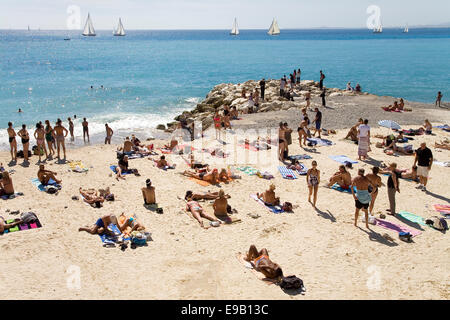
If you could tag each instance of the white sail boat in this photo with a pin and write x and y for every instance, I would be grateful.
(274, 29)
(89, 30)
(120, 31)
(406, 30)
(235, 29)
(378, 29)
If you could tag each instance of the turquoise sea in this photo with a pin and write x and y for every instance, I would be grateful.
(150, 76)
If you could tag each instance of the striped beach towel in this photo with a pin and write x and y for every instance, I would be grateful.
(412, 217)
(442, 208)
(287, 173)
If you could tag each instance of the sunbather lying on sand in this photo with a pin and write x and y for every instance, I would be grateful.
(44, 176)
(204, 196)
(442, 145)
(211, 177)
(130, 224)
(92, 197)
(410, 174)
(261, 262)
(268, 196)
(197, 211)
(4, 226)
(342, 177)
(101, 225)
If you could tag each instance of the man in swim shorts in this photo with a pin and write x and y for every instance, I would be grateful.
(12, 141)
(85, 125)
(342, 177)
(362, 196)
(60, 135)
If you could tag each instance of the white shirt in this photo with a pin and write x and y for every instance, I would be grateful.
(363, 130)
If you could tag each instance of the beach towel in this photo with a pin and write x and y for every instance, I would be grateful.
(343, 159)
(443, 208)
(337, 187)
(241, 259)
(299, 157)
(41, 187)
(200, 182)
(287, 173)
(445, 127)
(77, 167)
(248, 170)
(113, 168)
(396, 227)
(442, 164)
(25, 226)
(274, 209)
(320, 142)
(110, 240)
(412, 217)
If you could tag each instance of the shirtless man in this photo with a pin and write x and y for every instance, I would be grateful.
(221, 204)
(23, 134)
(12, 141)
(197, 211)
(92, 197)
(163, 164)
(211, 177)
(101, 225)
(261, 262)
(362, 196)
(71, 126)
(353, 132)
(342, 177)
(109, 134)
(268, 196)
(44, 176)
(149, 193)
(85, 125)
(375, 181)
(39, 135)
(127, 145)
(60, 135)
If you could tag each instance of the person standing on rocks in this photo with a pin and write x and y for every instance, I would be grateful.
(299, 74)
(322, 77)
(318, 122)
(282, 86)
(322, 95)
(262, 85)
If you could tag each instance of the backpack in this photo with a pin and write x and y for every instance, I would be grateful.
(287, 207)
(437, 223)
(28, 217)
(291, 283)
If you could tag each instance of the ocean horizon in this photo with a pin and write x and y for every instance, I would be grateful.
(150, 76)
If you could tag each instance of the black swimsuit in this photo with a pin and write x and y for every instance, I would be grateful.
(11, 139)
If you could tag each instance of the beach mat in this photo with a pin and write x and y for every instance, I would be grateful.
(396, 227)
(287, 173)
(200, 182)
(241, 259)
(343, 159)
(337, 187)
(109, 239)
(77, 166)
(41, 187)
(412, 217)
(442, 208)
(320, 142)
(113, 168)
(274, 209)
(25, 226)
(300, 157)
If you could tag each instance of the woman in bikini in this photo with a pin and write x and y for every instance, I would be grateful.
(313, 180)
(49, 137)
(39, 135)
(12, 141)
(262, 263)
(302, 132)
(23, 134)
(197, 211)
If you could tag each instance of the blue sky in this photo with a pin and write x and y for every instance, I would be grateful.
(215, 14)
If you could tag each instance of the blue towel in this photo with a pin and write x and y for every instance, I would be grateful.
(337, 187)
(109, 239)
(343, 159)
(274, 209)
(285, 172)
(41, 187)
(113, 168)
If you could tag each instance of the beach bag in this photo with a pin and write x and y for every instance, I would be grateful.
(51, 189)
(28, 217)
(405, 236)
(139, 238)
(287, 206)
(109, 197)
(437, 223)
(291, 283)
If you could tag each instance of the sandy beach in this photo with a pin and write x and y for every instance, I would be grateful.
(333, 258)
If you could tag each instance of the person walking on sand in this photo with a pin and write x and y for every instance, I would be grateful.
(376, 182)
(322, 77)
(282, 145)
(39, 135)
(362, 196)
(49, 137)
(85, 130)
(438, 99)
(313, 180)
(109, 134)
(424, 160)
(60, 135)
(23, 134)
(72, 137)
(318, 122)
(363, 140)
(262, 86)
(12, 141)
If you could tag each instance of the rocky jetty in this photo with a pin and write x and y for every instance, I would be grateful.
(231, 94)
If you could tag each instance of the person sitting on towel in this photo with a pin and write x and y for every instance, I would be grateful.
(6, 184)
(261, 262)
(101, 225)
(342, 177)
(295, 166)
(224, 176)
(221, 204)
(163, 164)
(197, 211)
(204, 196)
(44, 176)
(122, 167)
(211, 177)
(5, 226)
(92, 197)
(149, 193)
(172, 145)
(127, 145)
(353, 132)
(268, 197)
